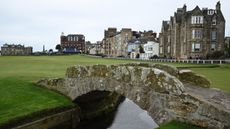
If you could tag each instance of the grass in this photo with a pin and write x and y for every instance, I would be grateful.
(33, 67)
(219, 76)
(20, 97)
(178, 125)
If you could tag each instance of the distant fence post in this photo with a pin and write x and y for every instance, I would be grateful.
(175, 60)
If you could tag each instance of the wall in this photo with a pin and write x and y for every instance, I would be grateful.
(63, 120)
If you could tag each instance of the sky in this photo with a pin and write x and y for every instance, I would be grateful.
(40, 22)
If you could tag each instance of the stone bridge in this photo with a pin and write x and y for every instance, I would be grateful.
(155, 88)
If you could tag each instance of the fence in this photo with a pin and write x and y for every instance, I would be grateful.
(198, 61)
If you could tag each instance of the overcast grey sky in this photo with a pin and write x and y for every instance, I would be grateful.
(40, 22)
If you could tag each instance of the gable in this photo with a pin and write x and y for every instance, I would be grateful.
(196, 12)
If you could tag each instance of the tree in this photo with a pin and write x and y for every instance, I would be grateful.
(51, 51)
(138, 56)
(154, 57)
(58, 47)
(141, 50)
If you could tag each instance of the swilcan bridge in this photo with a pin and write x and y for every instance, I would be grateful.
(153, 87)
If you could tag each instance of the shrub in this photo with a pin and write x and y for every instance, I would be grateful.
(215, 55)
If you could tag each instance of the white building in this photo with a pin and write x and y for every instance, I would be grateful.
(93, 51)
(151, 49)
(133, 47)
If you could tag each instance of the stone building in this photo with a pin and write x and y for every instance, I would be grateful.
(227, 42)
(192, 34)
(106, 42)
(15, 50)
(121, 42)
(115, 43)
(73, 43)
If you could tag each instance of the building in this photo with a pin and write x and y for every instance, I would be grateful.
(107, 41)
(133, 48)
(98, 47)
(94, 48)
(15, 50)
(192, 34)
(73, 43)
(147, 35)
(151, 49)
(115, 43)
(88, 46)
(121, 42)
(227, 42)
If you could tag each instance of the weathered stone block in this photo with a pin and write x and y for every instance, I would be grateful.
(187, 76)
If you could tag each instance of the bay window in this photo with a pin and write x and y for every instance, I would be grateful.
(197, 19)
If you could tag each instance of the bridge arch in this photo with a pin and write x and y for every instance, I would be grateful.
(154, 88)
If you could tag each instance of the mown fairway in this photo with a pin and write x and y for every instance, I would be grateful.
(20, 97)
(219, 76)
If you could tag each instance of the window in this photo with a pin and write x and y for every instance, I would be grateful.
(168, 49)
(211, 12)
(214, 21)
(161, 50)
(150, 48)
(195, 47)
(197, 20)
(196, 34)
(213, 46)
(161, 41)
(126, 37)
(185, 38)
(168, 39)
(213, 36)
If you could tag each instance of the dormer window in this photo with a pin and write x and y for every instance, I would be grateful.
(214, 21)
(197, 19)
(211, 12)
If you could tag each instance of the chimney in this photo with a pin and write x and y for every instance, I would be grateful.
(218, 5)
(184, 8)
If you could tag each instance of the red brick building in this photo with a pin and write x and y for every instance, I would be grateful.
(73, 43)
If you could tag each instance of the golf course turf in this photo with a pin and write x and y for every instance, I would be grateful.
(19, 96)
